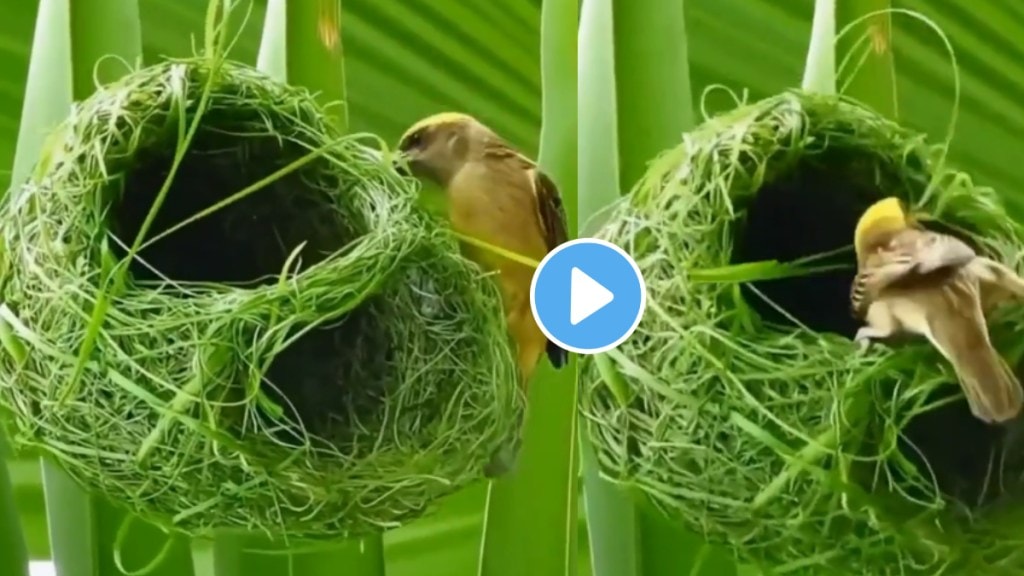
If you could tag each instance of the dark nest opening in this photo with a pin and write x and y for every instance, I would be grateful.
(248, 243)
(811, 206)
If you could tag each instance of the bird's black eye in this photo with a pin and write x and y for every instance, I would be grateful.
(413, 140)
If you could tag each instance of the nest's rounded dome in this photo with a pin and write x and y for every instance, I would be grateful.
(311, 357)
(784, 442)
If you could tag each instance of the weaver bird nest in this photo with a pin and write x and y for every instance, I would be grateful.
(311, 358)
(742, 407)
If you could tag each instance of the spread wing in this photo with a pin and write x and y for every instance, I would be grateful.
(908, 256)
(998, 283)
(931, 252)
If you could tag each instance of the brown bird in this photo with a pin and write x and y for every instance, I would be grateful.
(497, 196)
(911, 280)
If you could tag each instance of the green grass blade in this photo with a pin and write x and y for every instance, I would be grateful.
(531, 519)
(73, 538)
(219, 555)
(634, 108)
(611, 521)
(48, 89)
(598, 118)
(13, 551)
(106, 42)
(90, 537)
(444, 543)
(302, 46)
(26, 478)
(873, 73)
(820, 70)
(654, 101)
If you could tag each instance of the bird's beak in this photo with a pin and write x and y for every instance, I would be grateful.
(401, 164)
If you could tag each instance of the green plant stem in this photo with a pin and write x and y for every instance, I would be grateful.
(26, 477)
(302, 45)
(13, 552)
(654, 100)
(531, 521)
(598, 117)
(873, 81)
(219, 555)
(611, 520)
(106, 42)
(89, 536)
(48, 88)
(820, 69)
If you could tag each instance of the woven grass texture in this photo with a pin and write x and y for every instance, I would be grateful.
(294, 345)
(741, 407)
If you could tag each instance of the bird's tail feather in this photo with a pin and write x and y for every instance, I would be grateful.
(961, 333)
(558, 356)
(992, 389)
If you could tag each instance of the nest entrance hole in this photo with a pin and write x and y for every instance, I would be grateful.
(812, 207)
(248, 243)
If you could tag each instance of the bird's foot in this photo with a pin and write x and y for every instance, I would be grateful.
(863, 339)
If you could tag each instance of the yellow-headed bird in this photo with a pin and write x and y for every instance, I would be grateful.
(911, 280)
(497, 196)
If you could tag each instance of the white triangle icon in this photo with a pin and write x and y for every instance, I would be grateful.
(586, 296)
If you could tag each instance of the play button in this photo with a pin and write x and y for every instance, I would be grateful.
(588, 296)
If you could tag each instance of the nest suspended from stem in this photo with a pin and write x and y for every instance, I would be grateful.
(748, 414)
(313, 358)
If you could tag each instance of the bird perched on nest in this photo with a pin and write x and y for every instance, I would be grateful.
(911, 280)
(499, 197)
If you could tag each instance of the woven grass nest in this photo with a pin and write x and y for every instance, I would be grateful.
(313, 359)
(766, 430)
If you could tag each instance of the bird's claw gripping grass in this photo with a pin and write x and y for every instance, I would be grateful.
(863, 339)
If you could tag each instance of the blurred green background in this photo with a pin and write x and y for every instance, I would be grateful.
(408, 58)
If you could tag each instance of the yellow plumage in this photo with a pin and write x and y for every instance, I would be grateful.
(886, 214)
(436, 120)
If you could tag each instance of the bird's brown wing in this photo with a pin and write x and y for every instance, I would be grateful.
(909, 256)
(550, 215)
(932, 251)
(997, 283)
(550, 210)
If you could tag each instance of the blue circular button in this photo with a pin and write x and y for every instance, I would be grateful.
(588, 296)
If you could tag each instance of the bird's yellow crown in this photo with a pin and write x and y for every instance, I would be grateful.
(439, 118)
(885, 214)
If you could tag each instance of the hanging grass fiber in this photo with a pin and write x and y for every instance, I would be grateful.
(311, 359)
(740, 406)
